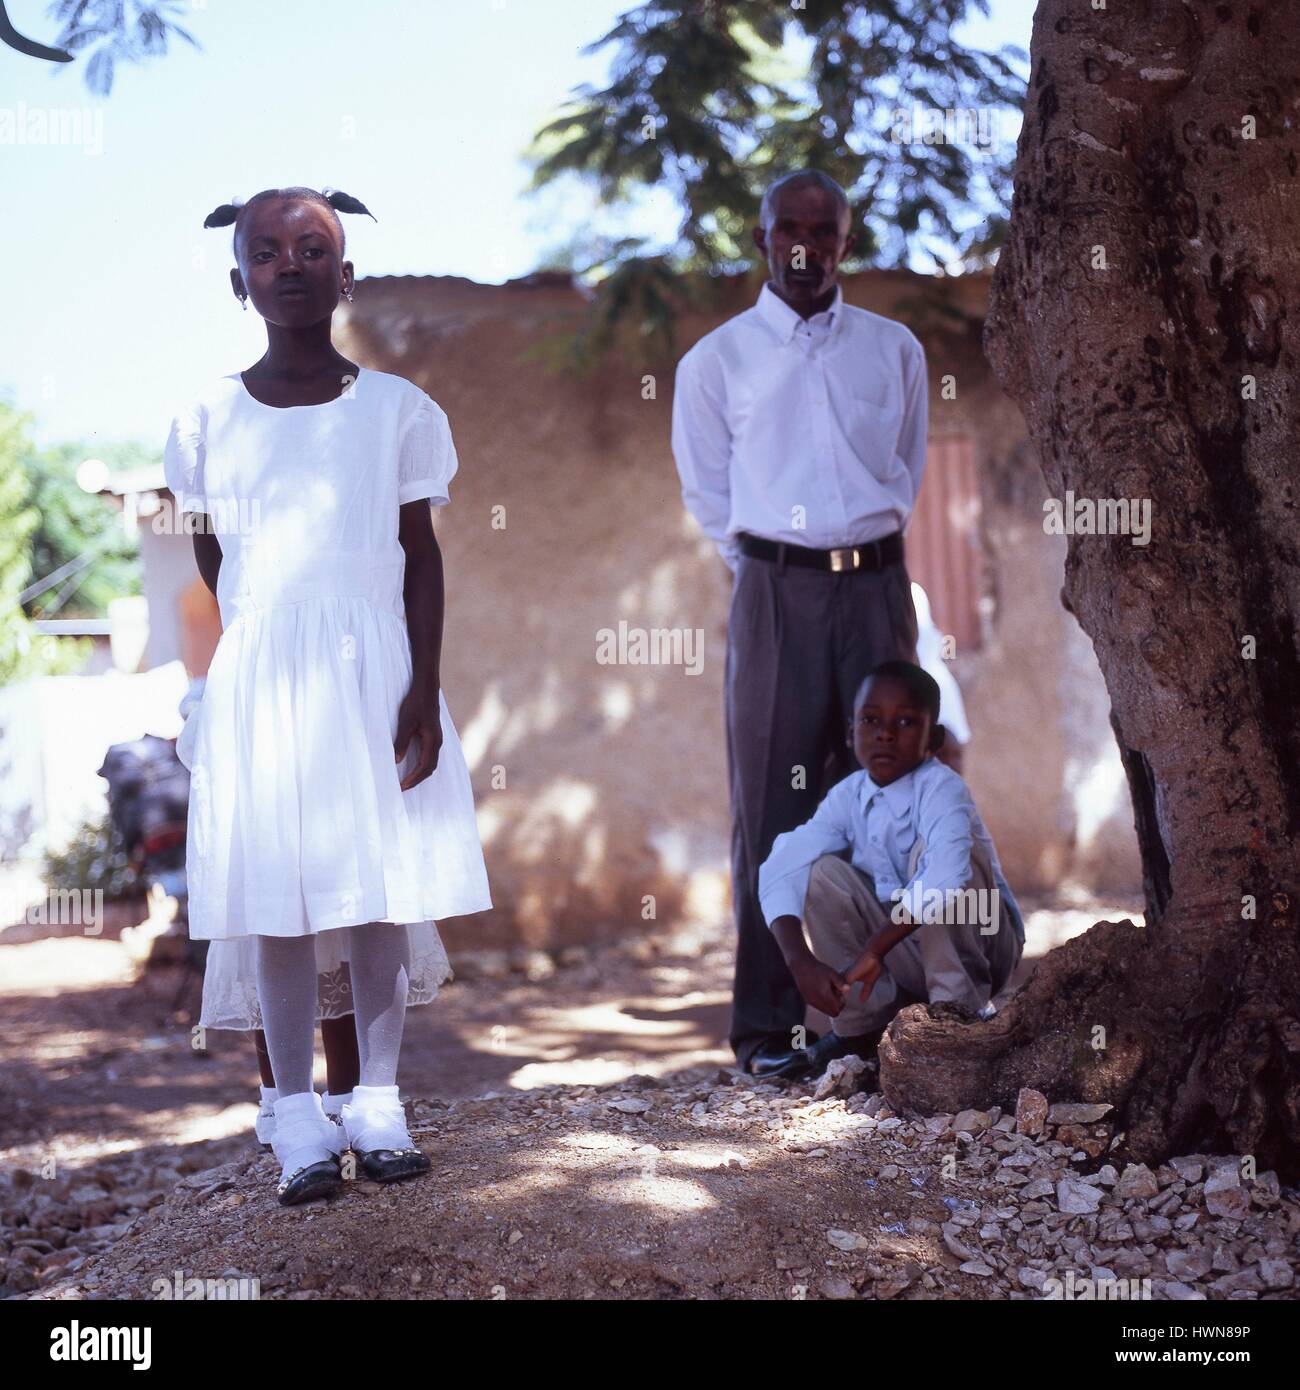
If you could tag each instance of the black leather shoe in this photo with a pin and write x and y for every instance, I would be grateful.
(826, 1050)
(315, 1180)
(774, 1057)
(392, 1165)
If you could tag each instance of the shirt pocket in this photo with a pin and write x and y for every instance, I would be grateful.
(874, 428)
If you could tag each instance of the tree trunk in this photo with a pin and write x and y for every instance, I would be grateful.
(1146, 317)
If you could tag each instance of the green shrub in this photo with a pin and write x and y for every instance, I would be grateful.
(95, 857)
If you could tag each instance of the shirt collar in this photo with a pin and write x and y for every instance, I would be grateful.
(897, 795)
(783, 320)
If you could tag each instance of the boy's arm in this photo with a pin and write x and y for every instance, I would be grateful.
(945, 823)
(783, 886)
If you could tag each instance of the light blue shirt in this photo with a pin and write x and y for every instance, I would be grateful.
(929, 811)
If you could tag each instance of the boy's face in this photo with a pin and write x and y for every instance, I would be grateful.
(891, 732)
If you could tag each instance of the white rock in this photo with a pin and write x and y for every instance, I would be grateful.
(971, 1121)
(1188, 1264)
(1276, 1274)
(977, 1267)
(1031, 1111)
(1224, 1194)
(1189, 1169)
(1137, 1181)
(1266, 1185)
(840, 1076)
(847, 1240)
(1077, 1113)
(954, 1244)
(1172, 1289)
(1076, 1197)
(633, 1105)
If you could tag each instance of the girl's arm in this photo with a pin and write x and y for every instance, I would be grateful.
(207, 555)
(422, 592)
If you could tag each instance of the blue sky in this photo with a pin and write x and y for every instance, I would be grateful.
(117, 301)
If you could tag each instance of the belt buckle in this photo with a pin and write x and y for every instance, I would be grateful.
(838, 564)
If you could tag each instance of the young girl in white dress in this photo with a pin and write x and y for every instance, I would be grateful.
(331, 818)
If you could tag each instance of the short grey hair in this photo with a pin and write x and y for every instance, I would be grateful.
(767, 208)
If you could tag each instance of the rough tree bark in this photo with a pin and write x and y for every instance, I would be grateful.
(1165, 371)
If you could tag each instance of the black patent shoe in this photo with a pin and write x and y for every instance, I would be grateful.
(375, 1125)
(392, 1165)
(775, 1059)
(321, 1179)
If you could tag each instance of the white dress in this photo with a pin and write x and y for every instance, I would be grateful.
(297, 822)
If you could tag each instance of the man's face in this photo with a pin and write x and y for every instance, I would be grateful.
(291, 263)
(891, 732)
(804, 244)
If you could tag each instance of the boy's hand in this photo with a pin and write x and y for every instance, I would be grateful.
(865, 969)
(820, 986)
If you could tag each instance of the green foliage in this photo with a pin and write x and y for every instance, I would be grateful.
(75, 523)
(23, 652)
(119, 31)
(708, 100)
(95, 857)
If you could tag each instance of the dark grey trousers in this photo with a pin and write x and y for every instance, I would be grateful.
(799, 642)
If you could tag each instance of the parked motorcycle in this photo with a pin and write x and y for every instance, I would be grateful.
(148, 802)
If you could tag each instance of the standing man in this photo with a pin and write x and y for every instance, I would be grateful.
(799, 429)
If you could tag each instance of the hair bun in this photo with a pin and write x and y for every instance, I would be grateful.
(222, 216)
(345, 202)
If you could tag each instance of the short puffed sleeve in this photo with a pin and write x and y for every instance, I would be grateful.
(183, 460)
(426, 456)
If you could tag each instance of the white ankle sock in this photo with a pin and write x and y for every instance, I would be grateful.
(333, 1104)
(375, 1119)
(303, 1133)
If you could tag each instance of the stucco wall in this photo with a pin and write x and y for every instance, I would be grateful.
(602, 788)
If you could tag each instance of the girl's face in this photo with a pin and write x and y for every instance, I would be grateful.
(291, 263)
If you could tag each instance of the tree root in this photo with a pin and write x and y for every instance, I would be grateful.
(1185, 1042)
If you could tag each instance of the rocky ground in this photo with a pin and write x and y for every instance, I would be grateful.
(704, 1184)
(586, 1143)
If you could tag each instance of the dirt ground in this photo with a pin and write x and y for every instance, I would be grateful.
(589, 1140)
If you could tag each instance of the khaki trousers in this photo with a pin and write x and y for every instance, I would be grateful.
(959, 961)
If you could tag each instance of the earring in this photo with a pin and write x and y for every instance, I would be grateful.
(243, 301)
(347, 294)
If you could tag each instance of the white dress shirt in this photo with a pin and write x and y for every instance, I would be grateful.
(930, 812)
(811, 432)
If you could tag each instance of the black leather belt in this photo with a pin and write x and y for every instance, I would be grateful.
(873, 555)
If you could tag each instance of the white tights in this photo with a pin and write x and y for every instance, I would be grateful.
(380, 956)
